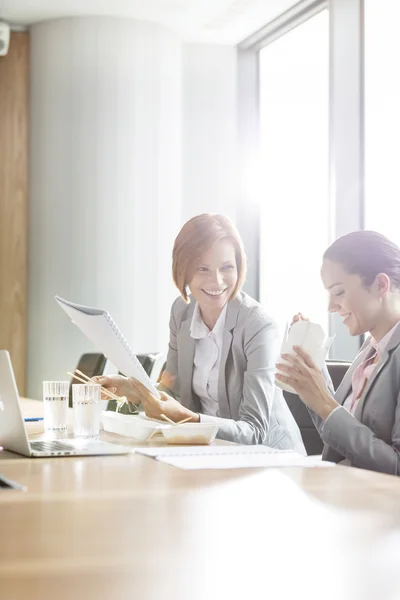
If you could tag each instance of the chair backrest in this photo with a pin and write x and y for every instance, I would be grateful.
(337, 370)
(146, 360)
(152, 364)
(311, 438)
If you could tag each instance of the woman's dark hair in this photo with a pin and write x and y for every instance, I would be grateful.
(366, 253)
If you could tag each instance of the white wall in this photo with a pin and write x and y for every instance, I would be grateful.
(132, 133)
(219, 142)
(105, 197)
(210, 175)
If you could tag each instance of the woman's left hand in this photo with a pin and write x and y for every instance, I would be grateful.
(166, 405)
(303, 375)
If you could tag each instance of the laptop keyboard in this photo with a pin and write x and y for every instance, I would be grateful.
(53, 446)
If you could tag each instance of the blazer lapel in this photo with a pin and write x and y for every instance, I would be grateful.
(345, 387)
(393, 343)
(383, 360)
(342, 393)
(230, 322)
(186, 345)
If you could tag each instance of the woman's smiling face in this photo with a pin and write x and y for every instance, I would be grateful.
(215, 276)
(358, 305)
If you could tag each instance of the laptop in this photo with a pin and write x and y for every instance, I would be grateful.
(14, 437)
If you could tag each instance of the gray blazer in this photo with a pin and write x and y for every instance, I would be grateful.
(251, 409)
(370, 439)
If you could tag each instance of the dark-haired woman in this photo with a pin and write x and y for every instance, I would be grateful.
(360, 425)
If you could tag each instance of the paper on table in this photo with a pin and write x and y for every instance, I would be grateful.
(214, 450)
(311, 338)
(242, 461)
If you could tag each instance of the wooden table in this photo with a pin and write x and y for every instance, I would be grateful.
(129, 527)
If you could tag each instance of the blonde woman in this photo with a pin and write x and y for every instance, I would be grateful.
(223, 346)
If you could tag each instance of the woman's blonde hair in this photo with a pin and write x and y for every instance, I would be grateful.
(196, 237)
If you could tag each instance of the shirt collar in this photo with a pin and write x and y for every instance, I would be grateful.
(198, 329)
(381, 346)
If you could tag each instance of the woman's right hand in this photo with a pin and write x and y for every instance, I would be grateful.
(121, 386)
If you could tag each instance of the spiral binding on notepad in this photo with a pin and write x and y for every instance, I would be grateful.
(120, 336)
(122, 339)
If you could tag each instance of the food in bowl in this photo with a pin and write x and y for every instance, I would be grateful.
(132, 426)
(190, 433)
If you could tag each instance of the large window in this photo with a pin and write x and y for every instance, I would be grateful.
(382, 117)
(294, 114)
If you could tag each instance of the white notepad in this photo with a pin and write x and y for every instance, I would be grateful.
(241, 461)
(101, 329)
(230, 457)
(234, 449)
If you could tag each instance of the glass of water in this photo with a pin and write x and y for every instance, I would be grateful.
(55, 401)
(86, 399)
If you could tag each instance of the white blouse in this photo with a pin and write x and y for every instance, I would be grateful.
(207, 359)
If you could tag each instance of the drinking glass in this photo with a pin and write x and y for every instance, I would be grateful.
(86, 399)
(55, 401)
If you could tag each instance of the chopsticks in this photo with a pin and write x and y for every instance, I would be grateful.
(173, 422)
(169, 421)
(85, 379)
(120, 400)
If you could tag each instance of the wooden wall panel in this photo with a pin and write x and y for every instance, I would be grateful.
(14, 112)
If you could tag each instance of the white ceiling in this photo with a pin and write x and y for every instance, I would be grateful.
(218, 21)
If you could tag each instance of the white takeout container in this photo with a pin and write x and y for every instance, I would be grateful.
(133, 426)
(190, 433)
(311, 338)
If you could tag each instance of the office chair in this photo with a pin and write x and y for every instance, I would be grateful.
(152, 364)
(311, 438)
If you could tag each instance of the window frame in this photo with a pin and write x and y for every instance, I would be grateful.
(346, 132)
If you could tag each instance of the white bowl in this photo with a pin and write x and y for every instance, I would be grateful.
(190, 433)
(132, 426)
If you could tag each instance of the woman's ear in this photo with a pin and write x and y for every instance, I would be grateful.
(383, 284)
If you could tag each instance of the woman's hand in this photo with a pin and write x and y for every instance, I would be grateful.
(303, 375)
(137, 393)
(298, 317)
(121, 386)
(167, 405)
